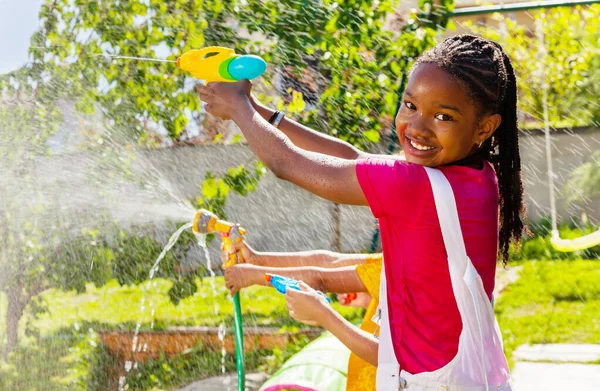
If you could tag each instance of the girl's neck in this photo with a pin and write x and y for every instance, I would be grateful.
(474, 160)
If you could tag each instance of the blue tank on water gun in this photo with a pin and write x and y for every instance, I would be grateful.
(282, 283)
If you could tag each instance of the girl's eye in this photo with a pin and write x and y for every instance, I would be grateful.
(410, 106)
(443, 117)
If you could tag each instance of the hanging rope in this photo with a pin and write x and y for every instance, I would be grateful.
(565, 245)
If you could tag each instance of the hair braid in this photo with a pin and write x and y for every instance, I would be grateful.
(482, 67)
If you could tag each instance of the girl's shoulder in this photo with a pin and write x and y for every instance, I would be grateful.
(391, 164)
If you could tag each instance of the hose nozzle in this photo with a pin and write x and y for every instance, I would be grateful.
(204, 222)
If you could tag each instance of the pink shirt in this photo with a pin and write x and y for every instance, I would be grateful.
(424, 318)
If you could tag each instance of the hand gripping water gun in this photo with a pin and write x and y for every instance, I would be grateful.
(213, 63)
(282, 284)
(206, 222)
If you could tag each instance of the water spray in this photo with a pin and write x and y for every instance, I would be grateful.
(206, 222)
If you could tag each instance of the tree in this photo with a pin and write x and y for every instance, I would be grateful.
(44, 246)
(572, 64)
(348, 56)
(358, 61)
(53, 238)
(346, 47)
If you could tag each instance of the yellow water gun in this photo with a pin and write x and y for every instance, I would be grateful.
(214, 63)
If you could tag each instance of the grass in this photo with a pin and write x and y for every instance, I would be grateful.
(120, 306)
(551, 302)
(61, 345)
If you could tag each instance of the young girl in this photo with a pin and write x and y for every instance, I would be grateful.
(458, 114)
(328, 272)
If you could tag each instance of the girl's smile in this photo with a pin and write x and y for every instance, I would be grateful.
(438, 123)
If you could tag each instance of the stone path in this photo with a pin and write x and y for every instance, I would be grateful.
(533, 376)
(557, 367)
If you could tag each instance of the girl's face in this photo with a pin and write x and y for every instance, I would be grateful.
(438, 123)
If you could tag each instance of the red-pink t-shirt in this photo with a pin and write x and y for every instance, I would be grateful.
(424, 319)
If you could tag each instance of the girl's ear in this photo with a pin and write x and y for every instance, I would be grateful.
(487, 127)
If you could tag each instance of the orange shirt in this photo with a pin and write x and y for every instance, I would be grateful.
(361, 375)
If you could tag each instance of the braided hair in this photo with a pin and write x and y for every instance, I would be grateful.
(486, 73)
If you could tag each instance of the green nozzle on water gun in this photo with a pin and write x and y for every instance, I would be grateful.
(216, 63)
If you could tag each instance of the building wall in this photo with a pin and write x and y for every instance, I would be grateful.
(280, 216)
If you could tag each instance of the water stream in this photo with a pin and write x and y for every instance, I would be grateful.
(222, 329)
(134, 345)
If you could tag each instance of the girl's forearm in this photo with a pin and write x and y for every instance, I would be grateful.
(310, 275)
(329, 177)
(319, 258)
(340, 280)
(360, 342)
(309, 139)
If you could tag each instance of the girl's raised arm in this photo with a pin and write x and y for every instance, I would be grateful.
(329, 177)
(309, 139)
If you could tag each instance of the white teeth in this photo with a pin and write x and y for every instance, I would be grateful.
(420, 147)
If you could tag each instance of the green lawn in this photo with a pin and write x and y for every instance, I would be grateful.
(552, 302)
(119, 306)
(63, 344)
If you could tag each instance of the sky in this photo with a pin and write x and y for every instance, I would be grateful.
(18, 20)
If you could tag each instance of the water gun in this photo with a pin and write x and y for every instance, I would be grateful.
(213, 63)
(206, 222)
(282, 284)
(216, 63)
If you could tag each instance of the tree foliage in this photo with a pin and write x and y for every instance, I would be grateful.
(570, 64)
(346, 48)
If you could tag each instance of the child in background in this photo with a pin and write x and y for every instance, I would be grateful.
(459, 115)
(325, 271)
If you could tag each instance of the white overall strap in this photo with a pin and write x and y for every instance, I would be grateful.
(447, 213)
(388, 369)
(458, 261)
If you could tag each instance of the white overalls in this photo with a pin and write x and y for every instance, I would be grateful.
(480, 364)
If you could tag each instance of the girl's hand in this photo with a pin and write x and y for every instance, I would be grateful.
(306, 305)
(224, 99)
(247, 254)
(242, 276)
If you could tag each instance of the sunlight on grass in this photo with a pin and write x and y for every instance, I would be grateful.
(551, 302)
(121, 305)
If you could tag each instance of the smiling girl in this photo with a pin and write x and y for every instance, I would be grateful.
(458, 115)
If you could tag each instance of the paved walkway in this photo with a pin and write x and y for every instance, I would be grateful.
(557, 367)
(534, 376)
